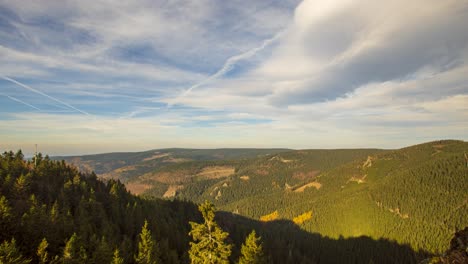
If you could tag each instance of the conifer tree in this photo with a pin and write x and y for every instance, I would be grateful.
(10, 254)
(5, 209)
(209, 239)
(117, 259)
(54, 213)
(147, 249)
(42, 251)
(252, 250)
(73, 252)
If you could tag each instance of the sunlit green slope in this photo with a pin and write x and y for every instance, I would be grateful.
(416, 195)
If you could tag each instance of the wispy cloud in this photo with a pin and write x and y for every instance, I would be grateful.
(230, 62)
(21, 101)
(338, 73)
(45, 95)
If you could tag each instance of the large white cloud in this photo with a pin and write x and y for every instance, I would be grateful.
(335, 48)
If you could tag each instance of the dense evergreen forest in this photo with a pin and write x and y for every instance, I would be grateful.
(416, 196)
(80, 218)
(406, 208)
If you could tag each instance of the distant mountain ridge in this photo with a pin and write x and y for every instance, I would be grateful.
(106, 162)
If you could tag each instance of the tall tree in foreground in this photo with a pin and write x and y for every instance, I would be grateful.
(147, 249)
(252, 250)
(209, 239)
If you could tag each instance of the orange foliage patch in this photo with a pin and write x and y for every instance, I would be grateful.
(270, 217)
(300, 219)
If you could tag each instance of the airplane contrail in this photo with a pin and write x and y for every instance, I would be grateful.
(21, 101)
(232, 60)
(43, 94)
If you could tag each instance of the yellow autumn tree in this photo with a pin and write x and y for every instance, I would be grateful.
(300, 219)
(270, 217)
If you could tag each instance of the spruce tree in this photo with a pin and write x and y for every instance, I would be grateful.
(209, 239)
(252, 250)
(117, 259)
(73, 251)
(147, 250)
(5, 209)
(42, 251)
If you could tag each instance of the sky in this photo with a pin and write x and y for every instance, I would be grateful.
(94, 76)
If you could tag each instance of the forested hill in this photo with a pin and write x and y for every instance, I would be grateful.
(415, 195)
(317, 206)
(52, 213)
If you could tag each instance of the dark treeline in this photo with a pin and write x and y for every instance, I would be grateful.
(55, 201)
(285, 242)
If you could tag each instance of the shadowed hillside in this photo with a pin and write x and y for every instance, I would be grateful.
(286, 242)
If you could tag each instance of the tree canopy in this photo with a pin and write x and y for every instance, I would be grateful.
(209, 245)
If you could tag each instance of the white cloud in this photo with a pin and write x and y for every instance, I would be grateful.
(327, 54)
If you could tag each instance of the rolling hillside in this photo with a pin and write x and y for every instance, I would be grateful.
(52, 213)
(415, 196)
(282, 171)
(125, 165)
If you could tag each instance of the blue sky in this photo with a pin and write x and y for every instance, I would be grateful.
(97, 76)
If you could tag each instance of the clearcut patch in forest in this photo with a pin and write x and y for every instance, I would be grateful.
(316, 185)
(244, 178)
(137, 187)
(216, 172)
(157, 155)
(172, 190)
